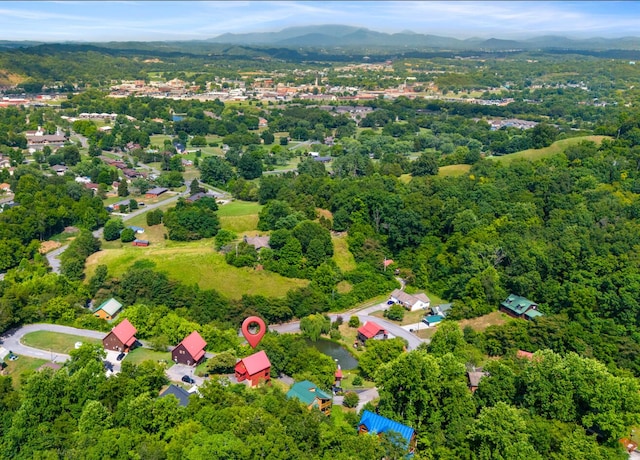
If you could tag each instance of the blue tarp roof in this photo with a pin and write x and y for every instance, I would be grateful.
(378, 424)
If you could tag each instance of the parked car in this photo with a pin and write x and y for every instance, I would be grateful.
(390, 302)
(108, 365)
(121, 356)
(188, 379)
(12, 356)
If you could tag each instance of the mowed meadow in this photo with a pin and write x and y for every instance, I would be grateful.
(197, 262)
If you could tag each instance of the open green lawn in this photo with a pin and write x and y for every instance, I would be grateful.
(341, 254)
(16, 369)
(453, 170)
(140, 354)
(54, 341)
(199, 263)
(553, 149)
(239, 216)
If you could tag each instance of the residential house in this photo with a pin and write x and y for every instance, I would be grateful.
(91, 186)
(521, 354)
(311, 396)
(519, 307)
(108, 309)
(376, 424)
(195, 197)
(136, 229)
(442, 310)
(474, 378)
(141, 243)
(5, 187)
(322, 159)
(255, 369)
(410, 302)
(432, 320)
(155, 192)
(121, 338)
(190, 351)
(257, 242)
(180, 393)
(371, 330)
(59, 169)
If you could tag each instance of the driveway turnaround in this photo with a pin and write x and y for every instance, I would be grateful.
(12, 341)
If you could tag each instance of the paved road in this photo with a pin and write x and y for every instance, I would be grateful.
(12, 340)
(53, 257)
(395, 330)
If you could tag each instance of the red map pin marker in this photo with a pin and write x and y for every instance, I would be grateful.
(253, 339)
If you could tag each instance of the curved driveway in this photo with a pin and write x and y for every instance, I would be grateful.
(395, 330)
(12, 340)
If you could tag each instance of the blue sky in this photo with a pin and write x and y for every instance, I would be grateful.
(186, 20)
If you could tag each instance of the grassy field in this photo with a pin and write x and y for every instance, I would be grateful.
(341, 254)
(480, 323)
(239, 216)
(54, 341)
(454, 170)
(16, 369)
(140, 354)
(553, 149)
(198, 263)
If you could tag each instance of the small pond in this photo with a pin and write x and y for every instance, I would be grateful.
(336, 351)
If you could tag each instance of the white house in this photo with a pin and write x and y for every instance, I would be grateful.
(409, 301)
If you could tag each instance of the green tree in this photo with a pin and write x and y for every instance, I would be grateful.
(123, 188)
(425, 165)
(127, 235)
(313, 326)
(112, 229)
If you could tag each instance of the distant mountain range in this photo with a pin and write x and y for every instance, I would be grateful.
(341, 36)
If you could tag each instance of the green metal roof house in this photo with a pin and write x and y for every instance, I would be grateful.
(519, 307)
(311, 396)
(108, 309)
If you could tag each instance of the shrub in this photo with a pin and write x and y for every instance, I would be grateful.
(335, 334)
(357, 381)
(354, 321)
(395, 312)
(351, 399)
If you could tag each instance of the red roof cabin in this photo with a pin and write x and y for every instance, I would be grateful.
(255, 368)
(190, 351)
(371, 330)
(142, 243)
(121, 338)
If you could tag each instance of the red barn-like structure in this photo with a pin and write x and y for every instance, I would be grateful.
(255, 368)
(121, 338)
(190, 351)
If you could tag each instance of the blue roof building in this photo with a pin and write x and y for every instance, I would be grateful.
(377, 424)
